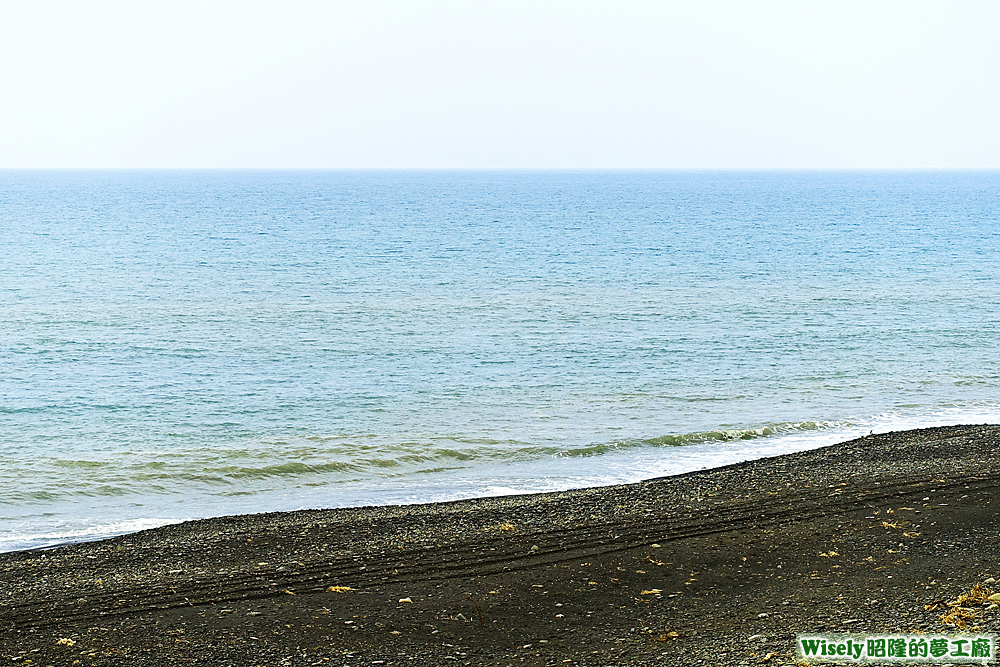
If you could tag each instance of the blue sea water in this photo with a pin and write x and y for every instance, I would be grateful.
(182, 344)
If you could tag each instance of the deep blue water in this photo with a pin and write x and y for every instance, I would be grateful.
(185, 344)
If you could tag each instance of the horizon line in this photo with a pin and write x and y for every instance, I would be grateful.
(522, 169)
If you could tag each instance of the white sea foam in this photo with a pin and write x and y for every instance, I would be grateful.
(13, 539)
(548, 474)
(203, 343)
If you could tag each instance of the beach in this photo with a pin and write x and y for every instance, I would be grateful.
(463, 333)
(719, 567)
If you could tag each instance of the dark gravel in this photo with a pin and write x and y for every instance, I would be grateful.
(717, 567)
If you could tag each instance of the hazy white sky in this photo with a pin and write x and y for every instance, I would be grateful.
(478, 84)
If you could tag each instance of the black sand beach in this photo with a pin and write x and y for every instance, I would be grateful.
(717, 567)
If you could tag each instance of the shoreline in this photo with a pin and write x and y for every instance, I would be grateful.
(750, 449)
(38, 537)
(718, 566)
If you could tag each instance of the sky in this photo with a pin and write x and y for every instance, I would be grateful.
(706, 84)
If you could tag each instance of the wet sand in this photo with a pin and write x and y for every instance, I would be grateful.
(715, 567)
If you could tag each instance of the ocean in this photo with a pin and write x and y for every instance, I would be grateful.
(184, 344)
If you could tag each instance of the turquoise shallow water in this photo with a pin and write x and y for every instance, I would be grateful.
(186, 344)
